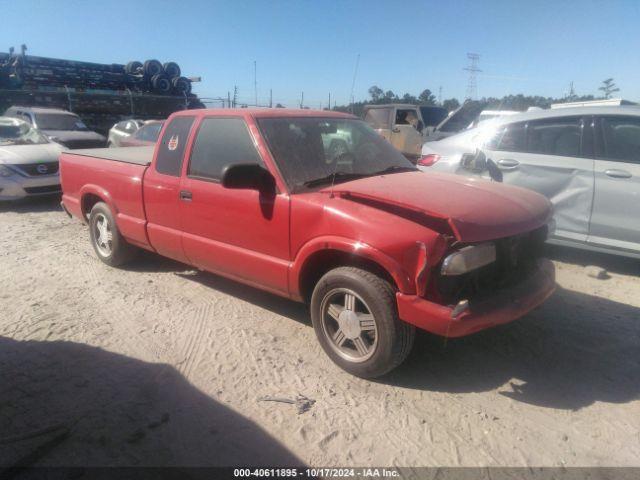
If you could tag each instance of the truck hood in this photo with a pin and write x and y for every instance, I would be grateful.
(474, 210)
(25, 154)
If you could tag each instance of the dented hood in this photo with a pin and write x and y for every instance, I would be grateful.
(475, 209)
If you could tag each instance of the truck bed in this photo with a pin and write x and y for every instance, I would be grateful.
(136, 155)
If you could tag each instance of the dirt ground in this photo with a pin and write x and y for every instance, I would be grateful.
(158, 364)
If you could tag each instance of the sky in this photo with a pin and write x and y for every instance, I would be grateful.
(530, 47)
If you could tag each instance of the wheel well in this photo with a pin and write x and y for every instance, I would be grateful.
(325, 260)
(88, 201)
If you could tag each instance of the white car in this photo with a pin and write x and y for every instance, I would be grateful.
(122, 130)
(28, 161)
(586, 160)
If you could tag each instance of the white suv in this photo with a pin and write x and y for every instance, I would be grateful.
(586, 160)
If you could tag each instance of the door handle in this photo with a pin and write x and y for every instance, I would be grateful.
(508, 163)
(185, 195)
(615, 173)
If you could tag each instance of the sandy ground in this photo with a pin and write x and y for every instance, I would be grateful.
(158, 364)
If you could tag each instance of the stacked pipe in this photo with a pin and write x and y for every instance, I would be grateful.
(102, 94)
(31, 72)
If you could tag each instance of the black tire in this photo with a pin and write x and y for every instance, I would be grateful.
(394, 337)
(133, 68)
(161, 83)
(120, 252)
(181, 85)
(152, 67)
(171, 69)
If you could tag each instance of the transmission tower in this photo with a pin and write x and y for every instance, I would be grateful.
(472, 85)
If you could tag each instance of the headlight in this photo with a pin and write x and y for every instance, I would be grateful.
(5, 172)
(469, 258)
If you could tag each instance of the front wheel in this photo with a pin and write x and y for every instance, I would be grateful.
(356, 321)
(106, 239)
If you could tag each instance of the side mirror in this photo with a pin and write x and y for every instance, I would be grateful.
(420, 126)
(250, 176)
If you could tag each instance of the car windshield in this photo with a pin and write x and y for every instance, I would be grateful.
(20, 134)
(59, 121)
(312, 152)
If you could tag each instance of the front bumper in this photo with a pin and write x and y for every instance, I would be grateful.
(17, 186)
(503, 307)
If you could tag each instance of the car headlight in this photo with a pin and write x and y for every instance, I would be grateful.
(5, 171)
(469, 258)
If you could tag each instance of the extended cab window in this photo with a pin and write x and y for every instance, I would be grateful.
(221, 142)
(555, 136)
(619, 139)
(171, 151)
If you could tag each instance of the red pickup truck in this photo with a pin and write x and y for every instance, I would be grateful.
(317, 207)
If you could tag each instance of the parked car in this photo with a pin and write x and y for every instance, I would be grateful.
(122, 130)
(586, 160)
(375, 246)
(407, 127)
(63, 127)
(147, 134)
(28, 161)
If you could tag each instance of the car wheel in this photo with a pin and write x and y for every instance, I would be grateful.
(171, 69)
(355, 318)
(152, 67)
(107, 242)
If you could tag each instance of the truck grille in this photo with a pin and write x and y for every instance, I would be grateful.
(38, 169)
(516, 258)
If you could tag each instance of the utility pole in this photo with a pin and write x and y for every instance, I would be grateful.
(235, 96)
(271, 98)
(472, 84)
(228, 100)
(302, 100)
(329, 100)
(255, 80)
(440, 95)
(353, 82)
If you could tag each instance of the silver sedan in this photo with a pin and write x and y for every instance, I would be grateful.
(28, 161)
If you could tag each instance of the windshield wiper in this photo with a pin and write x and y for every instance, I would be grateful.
(396, 168)
(339, 177)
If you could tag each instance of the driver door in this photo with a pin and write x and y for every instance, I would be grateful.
(241, 234)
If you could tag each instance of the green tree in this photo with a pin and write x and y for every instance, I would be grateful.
(376, 93)
(427, 98)
(608, 87)
(451, 104)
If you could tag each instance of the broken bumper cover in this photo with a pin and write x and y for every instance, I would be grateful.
(503, 307)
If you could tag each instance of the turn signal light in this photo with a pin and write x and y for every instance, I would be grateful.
(428, 160)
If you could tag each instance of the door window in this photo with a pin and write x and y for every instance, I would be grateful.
(221, 142)
(619, 139)
(174, 141)
(555, 136)
(509, 138)
(378, 117)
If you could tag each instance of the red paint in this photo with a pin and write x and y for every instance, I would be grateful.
(404, 222)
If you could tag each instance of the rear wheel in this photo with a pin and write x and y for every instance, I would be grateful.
(107, 242)
(356, 321)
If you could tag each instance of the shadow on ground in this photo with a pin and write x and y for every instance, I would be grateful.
(574, 350)
(611, 263)
(46, 203)
(64, 403)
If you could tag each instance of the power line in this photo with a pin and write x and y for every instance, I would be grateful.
(472, 84)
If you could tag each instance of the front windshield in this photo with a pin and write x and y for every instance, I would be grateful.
(20, 134)
(317, 151)
(59, 121)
